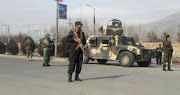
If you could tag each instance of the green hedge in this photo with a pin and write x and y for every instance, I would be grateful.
(64, 48)
(2, 48)
(12, 47)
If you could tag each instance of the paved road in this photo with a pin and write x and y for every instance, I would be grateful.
(18, 77)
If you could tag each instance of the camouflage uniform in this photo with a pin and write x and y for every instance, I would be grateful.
(168, 51)
(46, 51)
(28, 46)
(76, 55)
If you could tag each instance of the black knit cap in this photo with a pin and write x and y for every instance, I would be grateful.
(78, 23)
(167, 36)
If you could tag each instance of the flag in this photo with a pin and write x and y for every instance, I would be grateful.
(59, 0)
(62, 11)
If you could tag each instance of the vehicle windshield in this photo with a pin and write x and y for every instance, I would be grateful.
(126, 41)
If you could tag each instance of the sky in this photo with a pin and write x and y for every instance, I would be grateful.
(41, 14)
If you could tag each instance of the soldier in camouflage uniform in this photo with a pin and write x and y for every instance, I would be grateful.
(28, 46)
(46, 50)
(168, 51)
(76, 53)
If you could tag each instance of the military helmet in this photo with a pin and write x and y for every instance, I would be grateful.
(167, 36)
(78, 23)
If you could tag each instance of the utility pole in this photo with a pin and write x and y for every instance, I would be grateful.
(94, 17)
(57, 31)
(81, 10)
(1, 31)
(8, 29)
(28, 29)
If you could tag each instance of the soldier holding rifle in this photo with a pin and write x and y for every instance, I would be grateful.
(77, 38)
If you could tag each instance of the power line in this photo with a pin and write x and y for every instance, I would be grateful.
(28, 26)
(8, 29)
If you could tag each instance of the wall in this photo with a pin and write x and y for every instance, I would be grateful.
(176, 47)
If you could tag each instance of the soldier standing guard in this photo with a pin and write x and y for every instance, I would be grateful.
(28, 46)
(46, 50)
(76, 51)
(168, 51)
(159, 55)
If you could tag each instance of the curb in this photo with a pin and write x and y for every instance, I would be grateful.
(176, 63)
(34, 57)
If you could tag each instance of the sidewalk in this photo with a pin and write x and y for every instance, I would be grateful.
(34, 57)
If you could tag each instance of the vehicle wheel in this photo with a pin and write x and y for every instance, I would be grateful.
(126, 59)
(102, 61)
(85, 57)
(145, 63)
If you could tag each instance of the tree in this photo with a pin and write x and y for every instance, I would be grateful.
(152, 37)
(2, 48)
(12, 47)
(163, 36)
(64, 48)
(178, 37)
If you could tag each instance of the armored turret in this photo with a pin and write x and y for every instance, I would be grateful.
(112, 27)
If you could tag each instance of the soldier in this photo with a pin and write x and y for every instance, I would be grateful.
(168, 51)
(46, 50)
(159, 55)
(28, 46)
(76, 53)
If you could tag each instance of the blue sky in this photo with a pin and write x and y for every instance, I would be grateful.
(42, 13)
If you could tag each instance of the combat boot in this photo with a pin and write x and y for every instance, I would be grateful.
(169, 67)
(48, 65)
(164, 68)
(45, 65)
(170, 70)
(77, 78)
(70, 78)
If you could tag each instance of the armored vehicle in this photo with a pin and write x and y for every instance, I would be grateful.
(113, 45)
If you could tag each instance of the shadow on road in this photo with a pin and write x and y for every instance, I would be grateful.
(106, 77)
(117, 64)
(59, 65)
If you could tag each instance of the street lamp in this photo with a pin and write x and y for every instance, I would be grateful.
(94, 17)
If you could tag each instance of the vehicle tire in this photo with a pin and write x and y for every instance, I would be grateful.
(145, 63)
(85, 57)
(102, 61)
(126, 59)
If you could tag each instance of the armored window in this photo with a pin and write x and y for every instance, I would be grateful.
(93, 42)
(128, 41)
(105, 41)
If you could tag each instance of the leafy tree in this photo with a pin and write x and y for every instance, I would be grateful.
(12, 47)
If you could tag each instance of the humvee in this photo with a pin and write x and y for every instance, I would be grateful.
(112, 45)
